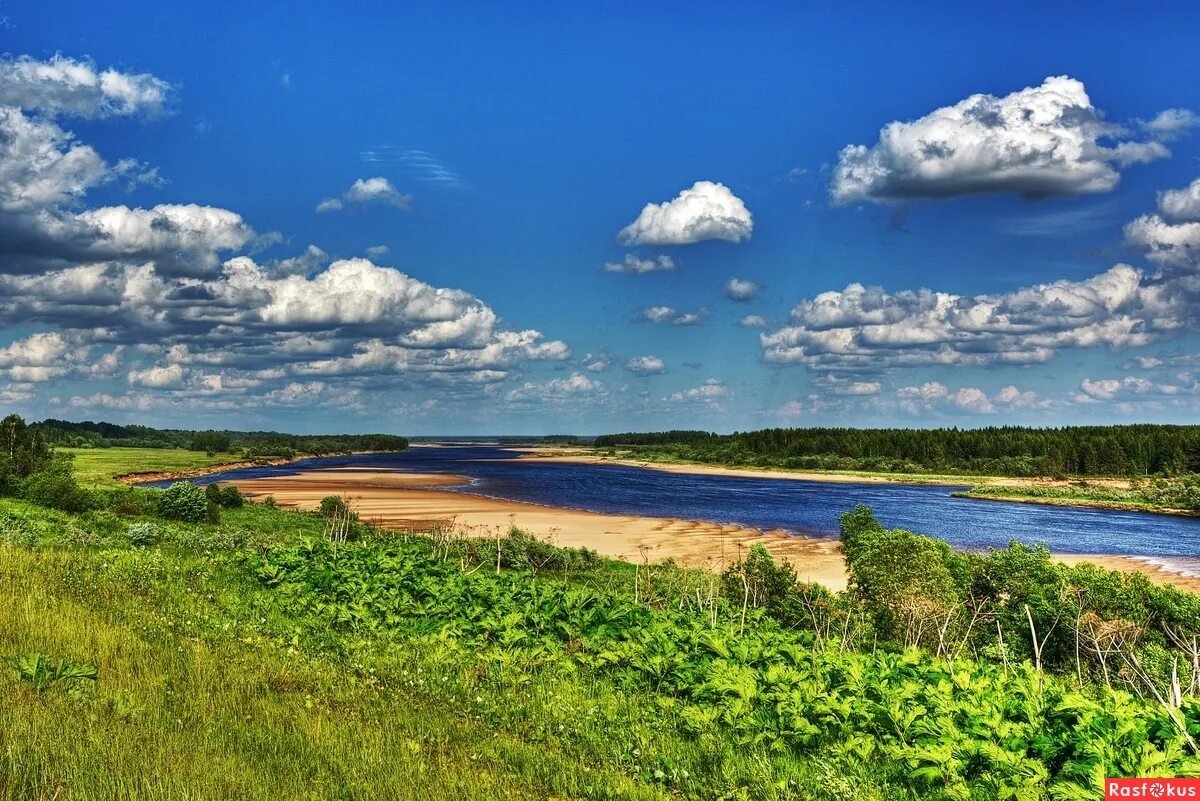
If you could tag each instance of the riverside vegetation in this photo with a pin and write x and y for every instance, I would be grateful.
(185, 644)
(1159, 463)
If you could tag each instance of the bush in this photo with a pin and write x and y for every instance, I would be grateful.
(143, 535)
(335, 506)
(55, 487)
(133, 502)
(232, 498)
(185, 501)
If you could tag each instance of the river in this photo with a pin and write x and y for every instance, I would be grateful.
(802, 507)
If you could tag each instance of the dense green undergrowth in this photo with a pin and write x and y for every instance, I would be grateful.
(184, 644)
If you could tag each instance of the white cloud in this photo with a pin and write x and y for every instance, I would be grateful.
(868, 329)
(558, 389)
(741, 290)
(973, 399)
(1102, 390)
(377, 191)
(645, 365)
(1171, 237)
(1181, 205)
(42, 165)
(705, 211)
(157, 377)
(708, 393)
(183, 239)
(935, 396)
(754, 321)
(1172, 122)
(1039, 141)
(1143, 363)
(377, 251)
(636, 266)
(64, 85)
(668, 314)
(857, 388)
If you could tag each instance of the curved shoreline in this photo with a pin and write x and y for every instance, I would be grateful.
(421, 502)
(149, 476)
(697, 468)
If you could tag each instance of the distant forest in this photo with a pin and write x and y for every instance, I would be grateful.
(250, 443)
(1133, 450)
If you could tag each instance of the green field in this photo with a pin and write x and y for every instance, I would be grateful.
(99, 466)
(260, 653)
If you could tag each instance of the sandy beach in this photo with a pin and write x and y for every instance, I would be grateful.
(419, 502)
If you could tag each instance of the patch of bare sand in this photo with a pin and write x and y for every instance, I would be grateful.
(404, 501)
(413, 502)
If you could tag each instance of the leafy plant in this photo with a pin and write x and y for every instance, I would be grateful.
(142, 534)
(184, 501)
(42, 672)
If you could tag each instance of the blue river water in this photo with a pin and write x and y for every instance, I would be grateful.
(801, 507)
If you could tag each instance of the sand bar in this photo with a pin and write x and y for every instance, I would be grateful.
(419, 502)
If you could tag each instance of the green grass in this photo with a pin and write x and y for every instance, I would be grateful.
(100, 466)
(212, 685)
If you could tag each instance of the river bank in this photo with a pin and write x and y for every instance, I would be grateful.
(421, 502)
(1015, 489)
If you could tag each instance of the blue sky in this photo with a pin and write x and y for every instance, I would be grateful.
(476, 168)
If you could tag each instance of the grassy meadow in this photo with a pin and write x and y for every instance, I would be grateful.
(188, 645)
(100, 467)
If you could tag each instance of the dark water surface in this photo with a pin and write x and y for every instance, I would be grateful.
(803, 507)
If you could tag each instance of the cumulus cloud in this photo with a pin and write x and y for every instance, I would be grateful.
(1181, 205)
(558, 389)
(936, 396)
(1102, 390)
(157, 377)
(741, 290)
(668, 314)
(868, 329)
(1039, 141)
(637, 266)
(645, 365)
(754, 321)
(708, 392)
(68, 86)
(705, 211)
(369, 191)
(1170, 237)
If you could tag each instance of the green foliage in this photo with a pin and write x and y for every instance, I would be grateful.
(54, 486)
(520, 550)
(1134, 450)
(142, 534)
(334, 506)
(973, 730)
(253, 444)
(42, 673)
(185, 501)
(23, 452)
(232, 498)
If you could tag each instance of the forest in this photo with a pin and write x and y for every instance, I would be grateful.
(251, 444)
(1127, 450)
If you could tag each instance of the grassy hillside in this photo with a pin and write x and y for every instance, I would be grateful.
(257, 653)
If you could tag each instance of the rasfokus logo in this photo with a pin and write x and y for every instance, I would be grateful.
(1151, 788)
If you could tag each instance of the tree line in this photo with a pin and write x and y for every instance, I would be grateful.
(1128, 450)
(251, 444)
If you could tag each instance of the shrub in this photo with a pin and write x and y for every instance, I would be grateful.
(335, 506)
(183, 501)
(55, 487)
(142, 535)
(132, 502)
(232, 498)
